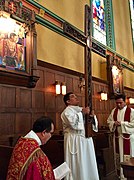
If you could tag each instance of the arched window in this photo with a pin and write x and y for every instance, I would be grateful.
(132, 16)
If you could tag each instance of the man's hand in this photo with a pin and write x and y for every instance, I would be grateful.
(117, 123)
(85, 110)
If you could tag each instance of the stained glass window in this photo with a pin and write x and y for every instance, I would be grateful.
(99, 24)
(132, 15)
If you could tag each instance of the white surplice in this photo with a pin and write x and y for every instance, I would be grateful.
(127, 128)
(79, 151)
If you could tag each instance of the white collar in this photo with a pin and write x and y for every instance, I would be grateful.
(123, 109)
(33, 135)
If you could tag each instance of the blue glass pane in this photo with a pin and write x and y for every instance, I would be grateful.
(98, 13)
(99, 26)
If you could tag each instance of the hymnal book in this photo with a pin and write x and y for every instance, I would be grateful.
(61, 171)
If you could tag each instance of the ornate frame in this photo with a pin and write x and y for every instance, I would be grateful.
(114, 76)
(26, 16)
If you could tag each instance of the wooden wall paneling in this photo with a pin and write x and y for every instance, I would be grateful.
(23, 123)
(104, 119)
(7, 123)
(7, 127)
(111, 104)
(25, 98)
(41, 81)
(100, 119)
(60, 77)
(8, 96)
(59, 103)
(36, 115)
(69, 83)
(58, 122)
(20, 106)
(17, 97)
(38, 99)
(49, 80)
(50, 104)
(76, 88)
(52, 115)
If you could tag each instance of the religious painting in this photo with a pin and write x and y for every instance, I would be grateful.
(115, 76)
(18, 38)
(12, 44)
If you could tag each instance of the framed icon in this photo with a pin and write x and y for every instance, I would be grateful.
(18, 52)
(114, 76)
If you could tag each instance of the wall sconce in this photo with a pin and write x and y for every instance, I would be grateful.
(131, 100)
(81, 84)
(63, 88)
(57, 87)
(60, 87)
(103, 96)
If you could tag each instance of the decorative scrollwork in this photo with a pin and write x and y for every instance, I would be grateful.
(74, 33)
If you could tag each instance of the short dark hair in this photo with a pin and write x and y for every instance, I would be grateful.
(120, 96)
(42, 123)
(66, 97)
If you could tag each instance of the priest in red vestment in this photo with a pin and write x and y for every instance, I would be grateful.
(121, 122)
(28, 161)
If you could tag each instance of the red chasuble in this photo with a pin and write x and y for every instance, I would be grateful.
(28, 162)
(126, 140)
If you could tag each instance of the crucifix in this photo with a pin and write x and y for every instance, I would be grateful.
(88, 72)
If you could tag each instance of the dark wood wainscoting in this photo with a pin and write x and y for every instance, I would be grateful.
(21, 106)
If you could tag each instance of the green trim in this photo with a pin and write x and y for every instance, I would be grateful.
(53, 27)
(127, 67)
(58, 30)
(46, 10)
(109, 24)
(44, 22)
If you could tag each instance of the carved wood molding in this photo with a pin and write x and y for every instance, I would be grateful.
(74, 33)
(98, 49)
(18, 79)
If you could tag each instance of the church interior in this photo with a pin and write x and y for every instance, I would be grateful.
(51, 47)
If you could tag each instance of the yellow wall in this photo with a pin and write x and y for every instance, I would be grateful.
(70, 10)
(123, 36)
(99, 66)
(55, 49)
(128, 78)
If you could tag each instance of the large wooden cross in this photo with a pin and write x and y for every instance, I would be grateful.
(88, 71)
